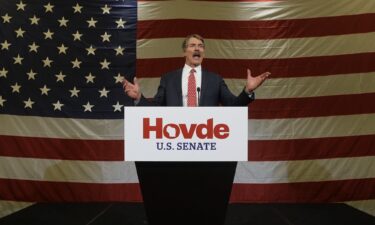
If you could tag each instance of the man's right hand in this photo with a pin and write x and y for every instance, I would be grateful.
(132, 90)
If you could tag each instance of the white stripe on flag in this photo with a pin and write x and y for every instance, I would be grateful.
(259, 129)
(241, 10)
(263, 49)
(247, 172)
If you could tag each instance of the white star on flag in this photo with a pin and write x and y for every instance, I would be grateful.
(90, 50)
(92, 22)
(3, 72)
(34, 20)
(49, 7)
(88, 107)
(119, 78)
(33, 47)
(31, 75)
(47, 62)
(74, 92)
(21, 6)
(48, 34)
(57, 105)
(5, 45)
(62, 49)
(120, 23)
(90, 78)
(28, 103)
(117, 107)
(2, 100)
(16, 88)
(60, 77)
(19, 32)
(77, 36)
(63, 22)
(77, 8)
(104, 92)
(18, 59)
(105, 37)
(105, 64)
(119, 50)
(106, 9)
(45, 90)
(76, 63)
(6, 18)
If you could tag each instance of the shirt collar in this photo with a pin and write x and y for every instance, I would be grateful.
(188, 68)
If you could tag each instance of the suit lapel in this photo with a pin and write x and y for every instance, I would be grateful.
(178, 86)
(204, 86)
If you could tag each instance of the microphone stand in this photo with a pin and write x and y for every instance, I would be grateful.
(199, 95)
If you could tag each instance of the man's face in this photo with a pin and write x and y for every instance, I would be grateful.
(194, 52)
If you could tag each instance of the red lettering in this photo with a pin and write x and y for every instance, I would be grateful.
(208, 128)
(171, 131)
(147, 128)
(188, 133)
(221, 131)
(168, 128)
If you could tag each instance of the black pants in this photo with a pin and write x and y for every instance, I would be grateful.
(179, 193)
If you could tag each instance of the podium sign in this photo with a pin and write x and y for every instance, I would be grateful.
(186, 133)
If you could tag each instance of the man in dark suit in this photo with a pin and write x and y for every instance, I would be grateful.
(189, 193)
(210, 88)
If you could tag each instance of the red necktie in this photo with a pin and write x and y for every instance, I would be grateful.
(192, 90)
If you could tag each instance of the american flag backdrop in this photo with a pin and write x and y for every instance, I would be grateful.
(311, 129)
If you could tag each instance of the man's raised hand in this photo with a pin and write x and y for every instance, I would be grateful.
(254, 82)
(132, 90)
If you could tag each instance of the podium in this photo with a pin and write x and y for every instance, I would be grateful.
(186, 160)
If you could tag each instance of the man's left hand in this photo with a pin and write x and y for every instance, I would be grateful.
(254, 82)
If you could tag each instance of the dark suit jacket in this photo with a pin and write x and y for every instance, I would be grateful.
(214, 92)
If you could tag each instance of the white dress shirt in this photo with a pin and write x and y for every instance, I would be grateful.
(185, 76)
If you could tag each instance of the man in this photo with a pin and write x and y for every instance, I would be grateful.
(209, 89)
(189, 193)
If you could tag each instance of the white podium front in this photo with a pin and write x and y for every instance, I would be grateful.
(186, 159)
(186, 134)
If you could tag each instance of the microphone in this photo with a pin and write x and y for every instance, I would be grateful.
(199, 94)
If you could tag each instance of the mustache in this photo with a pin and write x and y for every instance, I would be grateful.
(197, 53)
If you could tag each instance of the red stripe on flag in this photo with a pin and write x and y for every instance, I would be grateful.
(314, 148)
(266, 29)
(324, 191)
(45, 191)
(312, 106)
(259, 150)
(290, 67)
(68, 149)
(314, 192)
